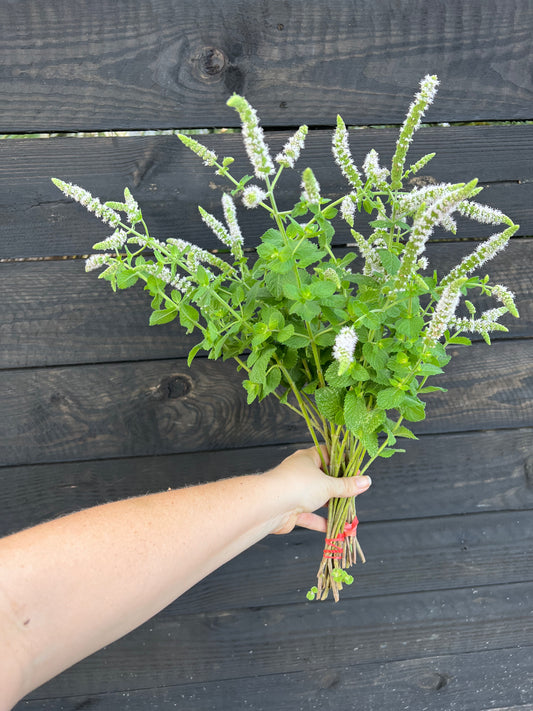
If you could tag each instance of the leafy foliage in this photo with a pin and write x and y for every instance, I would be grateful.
(350, 352)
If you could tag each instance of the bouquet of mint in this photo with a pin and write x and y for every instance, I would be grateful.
(348, 351)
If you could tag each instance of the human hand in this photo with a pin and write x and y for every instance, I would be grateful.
(306, 488)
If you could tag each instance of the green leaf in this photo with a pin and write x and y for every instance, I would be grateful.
(410, 327)
(390, 261)
(189, 312)
(158, 318)
(253, 390)
(126, 278)
(354, 411)
(369, 440)
(285, 333)
(432, 389)
(299, 340)
(405, 432)
(308, 253)
(202, 276)
(328, 401)
(459, 341)
(381, 225)
(375, 356)
(323, 289)
(274, 283)
(413, 409)
(390, 398)
(258, 372)
(325, 338)
(273, 379)
(389, 451)
(333, 378)
(291, 291)
(193, 352)
(429, 369)
(307, 310)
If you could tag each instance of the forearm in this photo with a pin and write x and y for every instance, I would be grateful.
(73, 585)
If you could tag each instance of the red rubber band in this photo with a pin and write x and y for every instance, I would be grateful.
(331, 550)
(350, 529)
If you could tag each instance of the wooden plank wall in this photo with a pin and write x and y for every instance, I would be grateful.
(98, 406)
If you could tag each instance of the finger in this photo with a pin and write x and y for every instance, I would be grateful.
(312, 521)
(317, 460)
(344, 487)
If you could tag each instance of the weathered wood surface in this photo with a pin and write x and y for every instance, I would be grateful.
(98, 406)
(169, 182)
(173, 649)
(476, 681)
(162, 407)
(99, 325)
(169, 63)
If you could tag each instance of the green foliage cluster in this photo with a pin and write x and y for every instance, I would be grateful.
(279, 311)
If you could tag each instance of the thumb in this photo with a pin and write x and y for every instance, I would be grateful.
(344, 487)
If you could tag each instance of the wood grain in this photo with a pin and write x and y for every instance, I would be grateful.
(163, 407)
(169, 182)
(203, 647)
(477, 681)
(120, 64)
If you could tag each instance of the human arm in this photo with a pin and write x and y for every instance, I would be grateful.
(73, 585)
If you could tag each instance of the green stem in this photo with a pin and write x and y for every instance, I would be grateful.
(304, 411)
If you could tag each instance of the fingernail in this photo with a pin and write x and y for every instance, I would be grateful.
(363, 482)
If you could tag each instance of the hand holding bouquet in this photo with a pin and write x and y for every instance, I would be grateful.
(350, 352)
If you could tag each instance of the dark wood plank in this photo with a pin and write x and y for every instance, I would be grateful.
(439, 475)
(496, 680)
(173, 63)
(171, 650)
(164, 407)
(169, 182)
(46, 304)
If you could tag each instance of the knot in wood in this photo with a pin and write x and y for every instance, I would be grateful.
(175, 386)
(211, 63)
(434, 681)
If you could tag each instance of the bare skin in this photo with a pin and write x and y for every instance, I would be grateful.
(71, 586)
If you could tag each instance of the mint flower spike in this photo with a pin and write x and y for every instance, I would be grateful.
(84, 197)
(292, 149)
(348, 210)
(311, 188)
(133, 210)
(231, 241)
(344, 347)
(423, 99)
(230, 213)
(412, 201)
(254, 141)
(444, 312)
(483, 213)
(374, 173)
(97, 260)
(373, 264)
(503, 294)
(209, 157)
(343, 156)
(486, 251)
(487, 322)
(423, 225)
(115, 241)
(196, 255)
